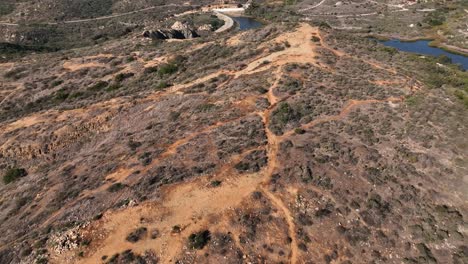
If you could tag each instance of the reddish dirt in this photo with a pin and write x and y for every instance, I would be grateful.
(190, 204)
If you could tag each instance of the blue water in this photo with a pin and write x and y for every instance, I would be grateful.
(246, 23)
(422, 47)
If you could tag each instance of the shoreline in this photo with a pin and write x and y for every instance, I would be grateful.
(433, 42)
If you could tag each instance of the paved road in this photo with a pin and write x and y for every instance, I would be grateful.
(312, 7)
(91, 19)
(228, 22)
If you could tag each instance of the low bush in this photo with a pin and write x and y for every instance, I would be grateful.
(315, 39)
(14, 174)
(6, 8)
(136, 235)
(61, 95)
(98, 86)
(206, 107)
(162, 85)
(215, 183)
(56, 83)
(176, 229)
(149, 70)
(122, 76)
(167, 69)
(199, 240)
(463, 96)
(299, 131)
(116, 187)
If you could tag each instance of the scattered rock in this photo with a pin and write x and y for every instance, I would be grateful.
(178, 30)
(206, 27)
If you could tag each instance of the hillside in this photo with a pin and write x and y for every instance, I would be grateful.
(296, 142)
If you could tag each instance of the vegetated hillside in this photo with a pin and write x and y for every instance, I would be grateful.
(57, 10)
(69, 24)
(439, 20)
(290, 143)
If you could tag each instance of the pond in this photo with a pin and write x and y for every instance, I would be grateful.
(246, 23)
(422, 47)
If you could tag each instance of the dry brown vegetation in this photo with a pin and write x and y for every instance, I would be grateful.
(287, 148)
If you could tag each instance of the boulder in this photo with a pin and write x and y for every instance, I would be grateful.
(206, 27)
(178, 30)
(188, 33)
(166, 34)
(180, 26)
(185, 29)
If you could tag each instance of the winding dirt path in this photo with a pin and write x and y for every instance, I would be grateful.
(343, 113)
(190, 204)
(289, 219)
(272, 153)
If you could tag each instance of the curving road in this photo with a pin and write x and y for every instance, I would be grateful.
(91, 19)
(312, 7)
(228, 22)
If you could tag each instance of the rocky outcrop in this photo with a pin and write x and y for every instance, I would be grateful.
(178, 31)
(206, 27)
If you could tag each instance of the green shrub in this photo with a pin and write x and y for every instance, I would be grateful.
(215, 183)
(284, 113)
(205, 107)
(122, 76)
(133, 145)
(199, 240)
(167, 69)
(6, 8)
(136, 235)
(389, 50)
(322, 24)
(176, 229)
(98, 86)
(413, 100)
(216, 23)
(463, 96)
(150, 70)
(437, 17)
(173, 116)
(113, 87)
(444, 59)
(261, 90)
(14, 174)
(61, 95)
(56, 83)
(116, 187)
(315, 39)
(76, 95)
(131, 58)
(299, 131)
(162, 85)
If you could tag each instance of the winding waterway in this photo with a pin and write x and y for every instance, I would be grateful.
(422, 47)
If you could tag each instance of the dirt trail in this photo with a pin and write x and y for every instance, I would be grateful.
(75, 66)
(272, 153)
(190, 204)
(343, 113)
(289, 219)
